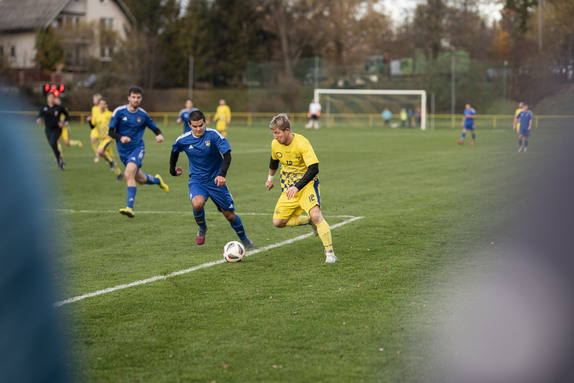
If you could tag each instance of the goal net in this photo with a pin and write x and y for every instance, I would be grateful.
(365, 106)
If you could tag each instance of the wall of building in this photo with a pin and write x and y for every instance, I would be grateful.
(22, 45)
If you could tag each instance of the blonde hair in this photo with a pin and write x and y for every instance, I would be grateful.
(281, 122)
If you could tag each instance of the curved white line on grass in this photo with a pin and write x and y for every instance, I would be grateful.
(202, 266)
(171, 212)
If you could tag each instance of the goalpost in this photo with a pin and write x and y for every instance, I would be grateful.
(421, 93)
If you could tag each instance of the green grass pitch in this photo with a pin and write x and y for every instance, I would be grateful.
(427, 206)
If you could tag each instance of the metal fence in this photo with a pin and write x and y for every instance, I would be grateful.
(333, 120)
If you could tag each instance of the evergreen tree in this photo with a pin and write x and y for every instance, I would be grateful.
(49, 51)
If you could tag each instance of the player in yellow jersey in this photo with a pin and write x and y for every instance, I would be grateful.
(299, 183)
(65, 136)
(518, 110)
(104, 147)
(223, 117)
(94, 132)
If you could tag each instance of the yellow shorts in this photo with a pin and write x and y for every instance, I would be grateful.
(304, 200)
(221, 126)
(94, 133)
(105, 142)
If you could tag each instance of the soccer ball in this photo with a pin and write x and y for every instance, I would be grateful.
(233, 251)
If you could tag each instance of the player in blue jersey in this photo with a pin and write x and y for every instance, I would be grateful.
(525, 118)
(209, 157)
(127, 127)
(468, 124)
(183, 116)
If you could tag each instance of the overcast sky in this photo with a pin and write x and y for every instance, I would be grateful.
(489, 8)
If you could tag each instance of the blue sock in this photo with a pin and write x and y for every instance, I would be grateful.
(463, 136)
(525, 143)
(152, 180)
(519, 142)
(131, 196)
(238, 227)
(200, 218)
(473, 136)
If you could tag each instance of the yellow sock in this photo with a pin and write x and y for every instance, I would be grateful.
(298, 221)
(324, 232)
(60, 149)
(76, 143)
(95, 147)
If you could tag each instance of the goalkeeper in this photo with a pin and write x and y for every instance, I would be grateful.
(313, 114)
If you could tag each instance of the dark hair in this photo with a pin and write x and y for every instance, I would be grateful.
(104, 99)
(196, 115)
(136, 90)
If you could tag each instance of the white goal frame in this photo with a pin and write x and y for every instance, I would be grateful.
(422, 93)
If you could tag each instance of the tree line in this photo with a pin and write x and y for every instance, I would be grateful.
(223, 36)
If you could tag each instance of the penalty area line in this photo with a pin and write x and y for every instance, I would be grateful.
(195, 268)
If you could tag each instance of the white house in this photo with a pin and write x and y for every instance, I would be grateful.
(87, 23)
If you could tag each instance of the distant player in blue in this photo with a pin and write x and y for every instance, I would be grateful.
(525, 118)
(183, 116)
(468, 124)
(127, 126)
(387, 115)
(209, 157)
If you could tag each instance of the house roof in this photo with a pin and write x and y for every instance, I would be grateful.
(29, 14)
(19, 15)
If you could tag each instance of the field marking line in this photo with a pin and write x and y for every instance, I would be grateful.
(83, 211)
(195, 268)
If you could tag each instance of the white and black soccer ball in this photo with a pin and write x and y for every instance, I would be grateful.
(233, 251)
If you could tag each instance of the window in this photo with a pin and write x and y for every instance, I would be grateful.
(106, 53)
(1, 50)
(12, 51)
(107, 23)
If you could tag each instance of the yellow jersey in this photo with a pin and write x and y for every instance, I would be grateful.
(95, 111)
(517, 122)
(223, 113)
(101, 121)
(295, 158)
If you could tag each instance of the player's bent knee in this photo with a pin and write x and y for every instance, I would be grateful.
(229, 215)
(198, 202)
(279, 222)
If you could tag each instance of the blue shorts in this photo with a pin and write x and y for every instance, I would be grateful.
(221, 196)
(468, 127)
(524, 132)
(136, 155)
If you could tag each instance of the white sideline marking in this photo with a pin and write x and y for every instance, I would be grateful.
(202, 266)
(171, 212)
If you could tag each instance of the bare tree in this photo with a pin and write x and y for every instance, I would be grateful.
(295, 24)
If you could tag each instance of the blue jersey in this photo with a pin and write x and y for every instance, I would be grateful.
(184, 115)
(524, 117)
(132, 125)
(469, 121)
(204, 153)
